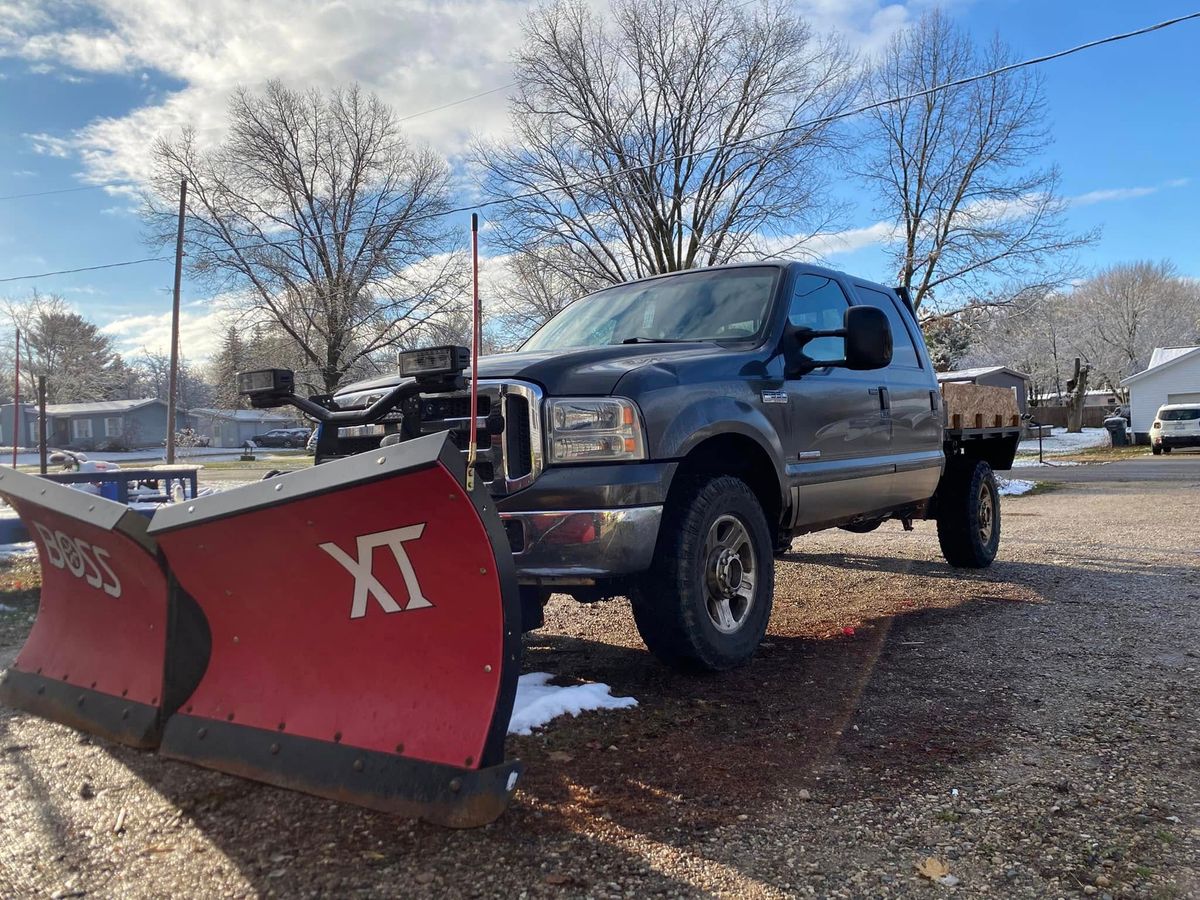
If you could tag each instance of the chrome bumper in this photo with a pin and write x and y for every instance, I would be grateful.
(579, 546)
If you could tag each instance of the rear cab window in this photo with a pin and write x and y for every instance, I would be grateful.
(905, 354)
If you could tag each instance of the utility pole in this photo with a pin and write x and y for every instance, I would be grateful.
(17, 401)
(173, 378)
(42, 423)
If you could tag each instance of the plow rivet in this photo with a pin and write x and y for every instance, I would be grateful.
(470, 761)
(92, 508)
(381, 460)
(229, 717)
(201, 733)
(358, 765)
(337, 737)
(65, 677)
(454, 496)
(482, 571)
(456, 784)
(279, 487)
(93, 684)
(189, 708)
(399, 748)
(236, 639)
(487, 668)
(42, 491)
(191, 509)
(281, 726)
(274, 748)
(125, 692)
(153, 701)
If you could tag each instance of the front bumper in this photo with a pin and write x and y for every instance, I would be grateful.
(581, 546)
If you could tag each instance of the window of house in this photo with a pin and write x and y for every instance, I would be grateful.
(819, 303)
(112, 426)
(81, 429)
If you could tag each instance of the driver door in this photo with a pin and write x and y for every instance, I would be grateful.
(838, 440)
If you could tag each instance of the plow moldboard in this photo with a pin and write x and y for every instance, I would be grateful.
(365, 634)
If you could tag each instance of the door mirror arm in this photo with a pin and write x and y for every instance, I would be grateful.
(797, 362)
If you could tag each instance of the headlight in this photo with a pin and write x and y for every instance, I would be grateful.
(586, 429)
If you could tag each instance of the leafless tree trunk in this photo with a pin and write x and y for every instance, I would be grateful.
(953, 169)
(661, 80)
(316, 216)
(1077, 389)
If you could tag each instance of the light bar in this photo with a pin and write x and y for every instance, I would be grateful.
(279, 382)
(448, 360)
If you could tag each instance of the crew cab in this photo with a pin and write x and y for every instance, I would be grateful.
(665, 439)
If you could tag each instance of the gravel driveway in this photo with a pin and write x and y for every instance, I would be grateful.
(1033, 727)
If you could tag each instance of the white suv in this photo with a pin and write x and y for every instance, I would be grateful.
(1175, 425)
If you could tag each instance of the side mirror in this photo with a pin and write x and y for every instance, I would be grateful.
(868, 338)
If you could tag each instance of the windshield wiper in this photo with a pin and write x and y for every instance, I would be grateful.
(650, 340)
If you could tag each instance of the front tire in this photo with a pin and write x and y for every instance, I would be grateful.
(706, 601)
(1156, 450)
(968, 514)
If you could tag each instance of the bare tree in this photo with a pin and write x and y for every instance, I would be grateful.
(1127, 310)
(667, 136)
(318, 217)
(954, 170)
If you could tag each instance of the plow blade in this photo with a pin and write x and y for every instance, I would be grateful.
(113, 651)
(365, 634)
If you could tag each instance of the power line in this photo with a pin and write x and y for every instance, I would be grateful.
(86, 187)
(543, 192)
(433, 109)
(115, 265)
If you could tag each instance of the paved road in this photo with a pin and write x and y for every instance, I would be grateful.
(1179, 466)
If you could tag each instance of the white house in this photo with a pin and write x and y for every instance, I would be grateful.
(1172, 377)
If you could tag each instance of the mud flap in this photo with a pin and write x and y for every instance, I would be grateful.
(366, 633)
(112, 651)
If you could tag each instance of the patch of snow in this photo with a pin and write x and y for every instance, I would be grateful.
(23, 548)
(1034, 464)
(538, 702)
(1012, 487)
(4, 609)
(1061, 442)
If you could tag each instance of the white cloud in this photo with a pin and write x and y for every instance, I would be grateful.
(1108, 194)
(414, 54)
(49, 145)
(199, 332)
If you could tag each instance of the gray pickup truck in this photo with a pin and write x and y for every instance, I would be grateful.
(665, 439)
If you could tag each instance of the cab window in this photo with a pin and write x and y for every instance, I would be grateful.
(820, 304)
(904, 348)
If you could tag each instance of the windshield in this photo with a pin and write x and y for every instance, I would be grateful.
(1179, 415)
(708, 305)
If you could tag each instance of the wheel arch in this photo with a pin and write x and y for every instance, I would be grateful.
(736, 453)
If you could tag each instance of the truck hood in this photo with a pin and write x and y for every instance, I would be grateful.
(593, 370)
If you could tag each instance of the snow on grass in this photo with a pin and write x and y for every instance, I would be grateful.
(1013, 487)
(539, 702)
(1061, 442)
(12, 551)
(1034, 464)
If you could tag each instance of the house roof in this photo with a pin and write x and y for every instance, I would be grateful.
(99, 406)
(1167, 357)
(971, 374)
(241, 415)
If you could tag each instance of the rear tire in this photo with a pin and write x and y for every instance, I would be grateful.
(706, 601)
(968, 514)
(1167, 449)
(1156, 450)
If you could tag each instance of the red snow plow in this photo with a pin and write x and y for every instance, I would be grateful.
(360, 624)
(114, 650)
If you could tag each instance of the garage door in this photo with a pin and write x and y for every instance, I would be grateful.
(1191, 397)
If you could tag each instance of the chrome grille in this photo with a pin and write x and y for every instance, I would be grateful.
(508, 461)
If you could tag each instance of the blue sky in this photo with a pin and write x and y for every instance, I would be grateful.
(85, 86)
